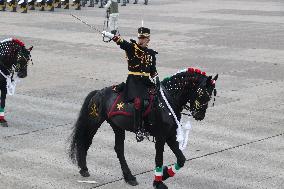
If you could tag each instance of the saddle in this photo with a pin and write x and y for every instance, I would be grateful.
(120, 107)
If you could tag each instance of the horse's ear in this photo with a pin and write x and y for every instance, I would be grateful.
(31, 48)
(213, 81)
(216, 77)
(209, 80)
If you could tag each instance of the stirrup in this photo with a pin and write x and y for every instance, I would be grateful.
(139, 136)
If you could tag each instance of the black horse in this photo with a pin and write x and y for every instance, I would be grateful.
(190, 89)
(14, 58)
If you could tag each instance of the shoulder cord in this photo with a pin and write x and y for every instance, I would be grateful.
(182, 137)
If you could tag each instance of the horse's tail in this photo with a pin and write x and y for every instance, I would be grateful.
(81, 137)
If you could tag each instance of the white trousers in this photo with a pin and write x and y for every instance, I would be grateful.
(113, 22)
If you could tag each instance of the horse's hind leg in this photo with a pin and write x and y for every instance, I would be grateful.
(82, 154)
(84, 130)
(119, 149)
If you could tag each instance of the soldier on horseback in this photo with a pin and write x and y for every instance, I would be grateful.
(142, 75)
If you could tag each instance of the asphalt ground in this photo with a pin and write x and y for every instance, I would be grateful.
(240, 143)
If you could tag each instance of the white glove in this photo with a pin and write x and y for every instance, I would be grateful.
(107, 34)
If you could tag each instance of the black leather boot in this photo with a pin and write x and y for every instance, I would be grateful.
(138, 125)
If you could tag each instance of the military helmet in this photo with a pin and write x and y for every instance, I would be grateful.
(143, 32)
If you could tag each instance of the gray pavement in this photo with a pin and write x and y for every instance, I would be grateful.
(240, 143)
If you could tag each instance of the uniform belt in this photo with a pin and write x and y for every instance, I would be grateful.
(139, 73)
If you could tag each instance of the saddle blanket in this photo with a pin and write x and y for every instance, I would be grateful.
(119, 107)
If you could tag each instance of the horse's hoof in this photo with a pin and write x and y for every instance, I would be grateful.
(131, 181)
(165, 173)
(84, 173)
(3, 123)
(159, 185)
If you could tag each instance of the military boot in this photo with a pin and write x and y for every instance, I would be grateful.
(12, 6)
(77, 5)
(50, 5)
(23, 7)
(138, 125)
(2, 5)
(31, 5)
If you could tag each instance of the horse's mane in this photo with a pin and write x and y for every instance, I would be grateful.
(183, 79)
(9, 49)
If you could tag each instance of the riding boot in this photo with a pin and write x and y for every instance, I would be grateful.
(146, 2)
(2, 5)
(138, 125)
(138, 119)
(135, 2)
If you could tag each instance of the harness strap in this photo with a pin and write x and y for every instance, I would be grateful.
(10, 85)
(182, 138)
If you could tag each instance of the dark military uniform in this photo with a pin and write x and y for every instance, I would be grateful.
(141, 66)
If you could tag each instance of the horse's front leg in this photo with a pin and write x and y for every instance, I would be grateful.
(158, 181)
(3, 122)
(119, 149)
(171, 170)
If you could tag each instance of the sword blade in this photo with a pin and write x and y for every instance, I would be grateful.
(92, 27)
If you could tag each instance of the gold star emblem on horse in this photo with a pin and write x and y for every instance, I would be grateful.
(120, 105)
(94, 111)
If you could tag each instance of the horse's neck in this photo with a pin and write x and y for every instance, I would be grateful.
(178, 97)
(9, 59)
(6, 67)
(173, 101)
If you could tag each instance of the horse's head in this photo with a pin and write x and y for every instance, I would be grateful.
(23, 58)
(15, 56)
(202, 95)
(191, 89)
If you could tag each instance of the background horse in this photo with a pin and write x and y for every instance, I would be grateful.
(190, 89)
(14, 58)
